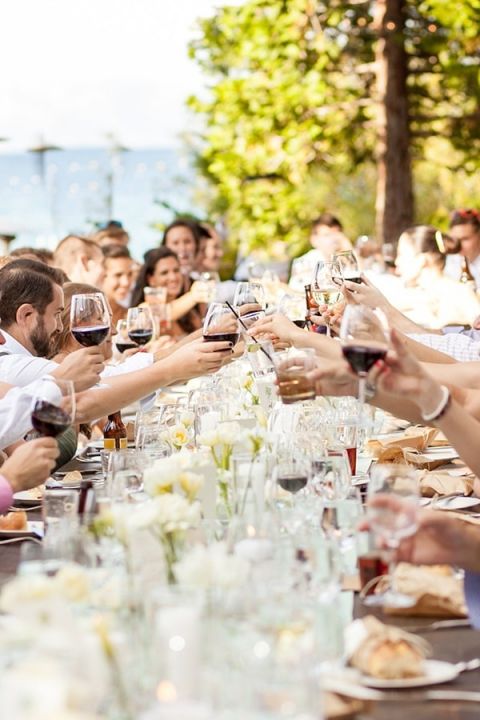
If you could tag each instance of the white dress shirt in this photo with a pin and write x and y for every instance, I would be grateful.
(20, 367)
(16, 409)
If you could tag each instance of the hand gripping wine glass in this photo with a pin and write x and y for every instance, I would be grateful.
(140, 325)
(349, 267)
(89, 319)
(220, 325)
(122, 341)
(53, 409)
(392, 510)
(325, 286)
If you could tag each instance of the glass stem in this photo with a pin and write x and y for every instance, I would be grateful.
(362, 382)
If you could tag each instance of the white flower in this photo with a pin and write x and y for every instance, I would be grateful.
(191, 484)
(212, 566)
(210, 438)
(187, 418)
(179, 435)
(229, 433)
(73, 582)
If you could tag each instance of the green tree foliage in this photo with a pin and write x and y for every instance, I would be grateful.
(291, 112)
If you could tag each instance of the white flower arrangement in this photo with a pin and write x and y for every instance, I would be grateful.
(212, 566)
(175, 473)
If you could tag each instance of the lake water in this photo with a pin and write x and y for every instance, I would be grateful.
(42, 199)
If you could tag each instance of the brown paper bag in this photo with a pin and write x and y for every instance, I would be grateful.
(442, 483)
(438, 592)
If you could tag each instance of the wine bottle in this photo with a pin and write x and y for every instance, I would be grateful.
(115, 433)
(466, 277)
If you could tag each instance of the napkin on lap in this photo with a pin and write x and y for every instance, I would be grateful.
(438, 592)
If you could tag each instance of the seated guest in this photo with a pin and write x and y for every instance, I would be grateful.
(29, 465)
(181, 236)
(426, 295)
(465, 228)
(118, 280)
(326, 239)
(210, 251)
(41, 254)
(80, 259)
(162, 270)
(112, 233)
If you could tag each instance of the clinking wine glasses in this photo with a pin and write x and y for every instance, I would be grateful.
(250, 293)
(220, 325)
(122, 341)
(325, 286)
(89, 319)
(349, 267)
(140, 325)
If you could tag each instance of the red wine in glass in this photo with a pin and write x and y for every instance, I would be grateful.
(141, 336)
(370, 566)
(90, 335)
(362, 358)
(300, 323)
(222, 337)
(292, 483)
(352, 459)
(49, 420)
(123, 346)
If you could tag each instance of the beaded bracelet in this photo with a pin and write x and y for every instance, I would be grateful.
(442, 407)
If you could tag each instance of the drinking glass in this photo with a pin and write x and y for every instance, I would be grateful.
(52, 417)
(325, 285)
(209, 282)
(220, 324)
(261, 359)
(363, 333)
(250, 293)
(349, 267)
(292, 368)
(59, 511)
(126, 474)
(89, 319)
(122, 341)
(291, 475)
(140, 325)
(392, 510)
(294, 308)
(155, 295)
(331, 478)
(162, 317)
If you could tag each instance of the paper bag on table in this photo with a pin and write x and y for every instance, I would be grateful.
(408, 456)
(442, 483)
(437, 591)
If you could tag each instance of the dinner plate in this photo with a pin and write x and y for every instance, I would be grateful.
(24, 498)
(34, 529)
(459, 502)
(436, 672)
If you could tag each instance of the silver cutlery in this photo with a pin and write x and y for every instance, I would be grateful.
(439, 625)
(28, 538)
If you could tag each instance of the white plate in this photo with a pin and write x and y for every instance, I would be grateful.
(34, 527)
(436, 672)
(440, 453)
(24, 499)
(455, 503)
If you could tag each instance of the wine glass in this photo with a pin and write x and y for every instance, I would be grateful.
(324, 288)
(392, 510)
(290, 479)
(294, 307)
(220, 324)
(89, 318)
(52, 417)
(363, 333)
(122, 341)
(349, 267)
(250, 293)
(140, 325)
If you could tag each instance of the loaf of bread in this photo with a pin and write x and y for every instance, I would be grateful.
(14, 521)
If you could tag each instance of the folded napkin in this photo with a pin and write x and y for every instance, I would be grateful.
(415, 439)
(437, 591)
(384, 651)
(407, 456)
(442, 482)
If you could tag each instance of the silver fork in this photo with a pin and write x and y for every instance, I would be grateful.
(439, 625)
(25, 538)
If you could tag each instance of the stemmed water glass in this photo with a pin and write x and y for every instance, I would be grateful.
(250, 293)
(349, 267)
(325, 286)
(393, 502)
(89, 318)
(140, 325)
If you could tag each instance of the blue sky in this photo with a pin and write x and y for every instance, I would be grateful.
(74, 70)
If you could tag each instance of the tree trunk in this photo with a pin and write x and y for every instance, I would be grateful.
(394, 201)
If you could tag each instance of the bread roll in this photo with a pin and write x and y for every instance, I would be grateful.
(14, 521)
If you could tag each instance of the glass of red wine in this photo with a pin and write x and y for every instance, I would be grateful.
(364, 336)
(89, 319)
(290, 480)
(52, 416)
(140, 325)
(220, 324)
(122, 341)
(349, 267)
